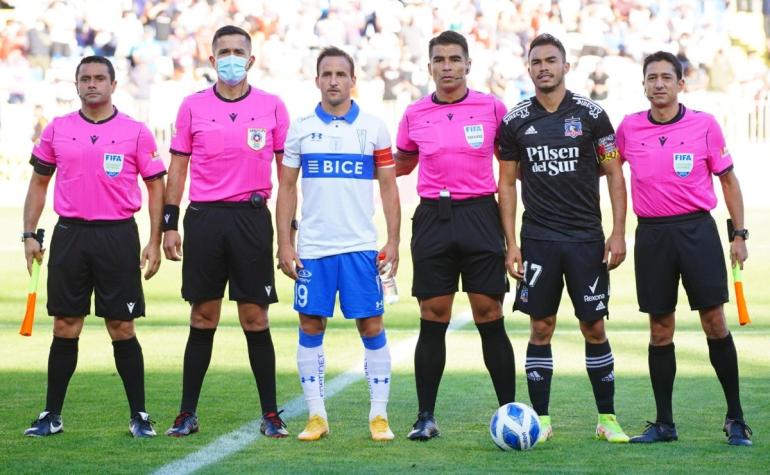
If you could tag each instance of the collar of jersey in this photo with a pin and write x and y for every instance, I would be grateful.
(223, 98)
(91, 121)
(676, 118)
(328, 118)
(564, 102)
(434, 98)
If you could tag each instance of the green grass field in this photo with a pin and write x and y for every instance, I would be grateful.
(96, 413)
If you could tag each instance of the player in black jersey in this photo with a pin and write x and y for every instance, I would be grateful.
(560, 143)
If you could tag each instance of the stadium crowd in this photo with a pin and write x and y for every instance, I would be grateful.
(160, 49)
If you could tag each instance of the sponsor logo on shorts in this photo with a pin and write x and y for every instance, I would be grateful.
(593, 298)
(130, 306)
(474, 135)
(304, 275)
(268, 289)
(683, 163)
(600, 306)
(113, 164)
(592, 288)
(257, 138)
(379, 305)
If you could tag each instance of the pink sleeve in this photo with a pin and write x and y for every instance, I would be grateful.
(500, 112)
(620, 139)
(403, 142)
(43, 150)
(181, 142)
(281, 126)
(719, 158)
(148, 160)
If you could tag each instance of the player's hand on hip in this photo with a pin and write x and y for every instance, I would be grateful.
(172, 245)
(288, 261)
(738, 252)
(390, 251)
(150, 260)
(32, 251)
(614, 251)
(513, 262)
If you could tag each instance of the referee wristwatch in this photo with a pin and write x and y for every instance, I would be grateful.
(28, 234)
(741, 233)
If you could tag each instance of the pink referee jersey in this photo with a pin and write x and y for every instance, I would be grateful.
(230, 143)
(97, 165)
(455, 144)
(672, 164)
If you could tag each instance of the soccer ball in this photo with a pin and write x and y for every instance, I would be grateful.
(515, 426)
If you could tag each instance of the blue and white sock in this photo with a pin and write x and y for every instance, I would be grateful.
(311, 365)
(377, 368)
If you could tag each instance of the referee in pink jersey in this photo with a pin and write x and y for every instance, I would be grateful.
(456, 229)
(97, 154)
(673, 152)
(228, 135)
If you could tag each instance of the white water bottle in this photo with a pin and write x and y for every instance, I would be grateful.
(389, 289)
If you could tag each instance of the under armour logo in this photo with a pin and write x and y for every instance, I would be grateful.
(166, 217)
(130, 306)
(309, 379)
(315, 136)
(233, 115)
(380, 380)
(662, 139)
(94, 138)
(268, 288)
(450, 115)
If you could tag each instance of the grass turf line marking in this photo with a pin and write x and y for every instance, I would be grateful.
(248, 433)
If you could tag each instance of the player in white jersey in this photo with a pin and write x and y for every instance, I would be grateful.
(340, 150)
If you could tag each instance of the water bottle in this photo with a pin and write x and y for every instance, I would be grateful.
(389, 289)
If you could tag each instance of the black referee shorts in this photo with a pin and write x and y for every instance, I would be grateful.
(100, 257)
(685, 246)
(228, 242)
(470, 244)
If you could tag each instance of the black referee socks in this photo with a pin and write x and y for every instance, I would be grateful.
(498, 358)
(429, 361)
(262, 360)
(129, 362)
(197, 356)
(724, 359)
(600, 365)
(62, 361)
(662, 363)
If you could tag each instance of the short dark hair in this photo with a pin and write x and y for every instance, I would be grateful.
(448, 37)
(228, 30)
(663, 56)
(99, 60)
(332, 51)
(548, 39)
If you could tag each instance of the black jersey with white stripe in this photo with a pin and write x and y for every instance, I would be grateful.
(559, 155)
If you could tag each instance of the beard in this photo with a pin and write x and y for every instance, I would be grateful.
(550, 89)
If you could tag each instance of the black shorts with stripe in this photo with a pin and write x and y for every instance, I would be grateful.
(99, 257)
(669, 248)
(468, 245)
(549, 264)
(228, 242)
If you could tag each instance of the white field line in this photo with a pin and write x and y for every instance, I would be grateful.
(248, 433)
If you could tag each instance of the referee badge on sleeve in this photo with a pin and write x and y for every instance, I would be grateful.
(683, 163)
(256, 138)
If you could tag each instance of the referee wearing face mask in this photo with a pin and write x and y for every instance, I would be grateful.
(228, 135)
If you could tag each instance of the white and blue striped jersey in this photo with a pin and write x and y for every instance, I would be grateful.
(338, 156)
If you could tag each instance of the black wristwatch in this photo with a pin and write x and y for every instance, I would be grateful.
(28, 234)
(742, 233)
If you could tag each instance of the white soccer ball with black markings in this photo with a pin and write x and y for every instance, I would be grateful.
(515, 426)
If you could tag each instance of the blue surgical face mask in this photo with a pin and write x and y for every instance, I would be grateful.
(231, 69)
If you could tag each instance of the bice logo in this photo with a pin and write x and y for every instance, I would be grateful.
(683, 163)
(474, 135)
(113, 164)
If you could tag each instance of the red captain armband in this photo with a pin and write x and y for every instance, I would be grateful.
(383, 158)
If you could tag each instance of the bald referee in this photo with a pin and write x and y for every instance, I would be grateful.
(97, 154)
(228, 136)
